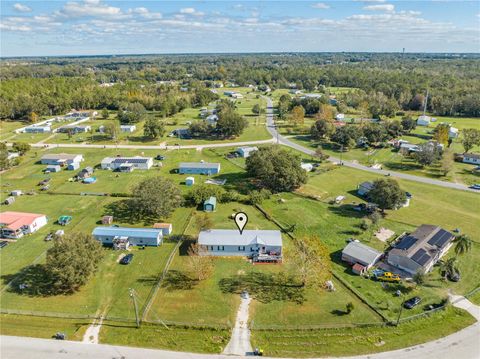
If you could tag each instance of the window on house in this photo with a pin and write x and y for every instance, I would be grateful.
(223, 248)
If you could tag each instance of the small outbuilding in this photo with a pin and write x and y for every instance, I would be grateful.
(308, 167)
(107, 219)
(210, 204)
(359, 253)
(190, 181)
(364, 188)
(423, 120)
(9, 200)
(246, 151)
(53, 168)
(128, 128)
(73, 166)
(165, 227)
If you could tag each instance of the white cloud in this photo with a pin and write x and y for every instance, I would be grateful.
(321, 5)
(89, 8)
(187, 10)
(191, 11)
(21, 8)
(381, 7)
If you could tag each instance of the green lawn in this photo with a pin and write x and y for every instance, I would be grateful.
(29, 172)
(358, 341)
(182, 300)
(157, 336)
(334, 224)
(42, 327)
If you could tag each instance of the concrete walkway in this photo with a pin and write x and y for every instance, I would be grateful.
(463, 303)
(239, 344)
(92, 332)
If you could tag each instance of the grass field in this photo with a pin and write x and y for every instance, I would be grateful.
(334, 224)
(42, 327)
(357, 341)
(29, 173)
(173, 338)
(212, 302)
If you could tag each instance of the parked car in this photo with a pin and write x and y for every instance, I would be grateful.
(160, 158)
(412, 302)
(127, 259)
(475, 186)
(60, 336)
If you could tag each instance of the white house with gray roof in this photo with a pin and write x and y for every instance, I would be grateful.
(229, 242)
(126, 164)
(61, 159)
(204, 168)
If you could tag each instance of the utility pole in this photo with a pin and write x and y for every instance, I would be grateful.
(134, 299)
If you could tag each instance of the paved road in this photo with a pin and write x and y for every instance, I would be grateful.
(151, 147)
(285, 141)
(461, 345)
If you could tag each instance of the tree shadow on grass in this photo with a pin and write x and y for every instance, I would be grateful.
(32, 281)
(338, 312)
(177, 280)
(122, 212)
(346, 210)
(265, 287)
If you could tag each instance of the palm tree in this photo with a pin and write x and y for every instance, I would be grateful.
(448, 267)
(463, 244)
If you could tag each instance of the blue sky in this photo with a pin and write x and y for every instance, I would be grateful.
(90, 27)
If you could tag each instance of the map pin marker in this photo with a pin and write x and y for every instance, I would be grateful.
(241, 220)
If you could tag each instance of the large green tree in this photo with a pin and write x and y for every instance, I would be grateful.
(387, 194)
(276, 168)
(231, 124)
(155, 197)
(470, 138)
(71, 261)
(346, 136)
(153, 128)
(322, 128)
(132, 113)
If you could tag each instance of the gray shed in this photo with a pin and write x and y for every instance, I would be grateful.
(356, 252)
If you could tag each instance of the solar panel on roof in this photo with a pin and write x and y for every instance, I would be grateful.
(406, 242)
(421, 257)
(440, 238)
(130, 160)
